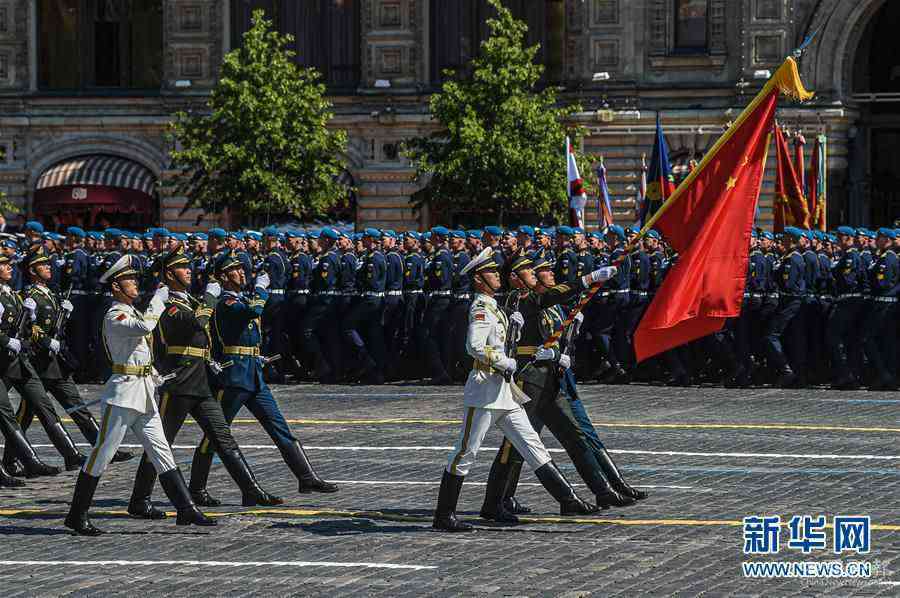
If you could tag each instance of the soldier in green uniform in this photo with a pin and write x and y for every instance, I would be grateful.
(539, 373)
(47, 349)
(182, 342)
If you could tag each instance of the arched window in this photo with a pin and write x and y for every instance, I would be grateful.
(326, 34)
(95, 44)
(459, 26)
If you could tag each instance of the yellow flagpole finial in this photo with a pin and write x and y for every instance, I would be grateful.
(787, 80)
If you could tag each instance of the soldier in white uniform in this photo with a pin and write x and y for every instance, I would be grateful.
(128, 401)
(491, 400)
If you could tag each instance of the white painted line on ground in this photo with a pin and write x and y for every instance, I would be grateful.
(438, 482)
(824, 456)
(888, 583)
(221, 564)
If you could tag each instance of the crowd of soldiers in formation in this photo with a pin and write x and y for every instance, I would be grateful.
(374, 306)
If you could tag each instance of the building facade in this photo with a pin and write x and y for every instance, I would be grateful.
(87, 88)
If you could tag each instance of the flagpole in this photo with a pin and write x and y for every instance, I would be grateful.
(785, 80)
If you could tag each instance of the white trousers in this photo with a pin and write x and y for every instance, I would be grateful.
(147, 427)
(515, 426)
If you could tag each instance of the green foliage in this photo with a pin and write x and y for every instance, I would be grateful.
(501, 146)
(263, 146)
(6, 206)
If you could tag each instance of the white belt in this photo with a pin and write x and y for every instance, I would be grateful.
(885, 299)
(394, 293)
(299, 292)
(414, 292)
(849, 295)
(463, 295)
(440, 293)
(75, 292)
(328, 293)
(371, 294)
(276, 292)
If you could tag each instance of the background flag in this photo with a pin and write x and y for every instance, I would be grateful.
(604, 207)
(660, 181)
(818, 176)
(708, 222)
(799, 161)
(642, 193)
(577, 194)
(790, 204)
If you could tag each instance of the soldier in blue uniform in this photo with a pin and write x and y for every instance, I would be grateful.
(638, 299)
(278, 266)
(77, 283)
(460, 363)
(297, 298)
(849, 308)
(362, 326)
(346, 282)
(393, 302)
(436, 321)
(322, 314)
(413, 300)
(612, 301)
(236, 337)
(880, 327)
(790, 276)
(199, 263)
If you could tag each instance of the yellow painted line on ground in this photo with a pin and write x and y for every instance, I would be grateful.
(318, 513)
(654, 426)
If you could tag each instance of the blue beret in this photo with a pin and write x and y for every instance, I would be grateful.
(95, 235)
(634, 229)
(794, 232)
(76, 232)
(767, 235)
(179, 236)
(411, 234)
(864, 232)
(474, 234)
(314, 234)
(9, 243)
(235, 234)
(753, 234)
(887, 232)
(426, 236)
(526, 230)
(578, 230)
(58, 237)
(160, 232)
(35, 226)
(493, 230)
(112, 233)
(831, 238)
(846, 230)
(147, 236)
(217, 233)
(372, 233)
(615, 229)
(295, 234)
(440, 230)
(254, 235)
(390, 234)
(565, 230)
(200, 237)
(458, 234)
(330, 233)
(653, 234)
(541, 232)
(270, 231)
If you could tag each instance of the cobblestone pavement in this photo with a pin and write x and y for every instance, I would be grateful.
(708, 456)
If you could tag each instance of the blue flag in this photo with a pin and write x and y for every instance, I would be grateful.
(660, 181)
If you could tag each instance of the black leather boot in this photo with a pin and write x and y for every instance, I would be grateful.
(615, 478)
(60, 438)
(188, 514)
(493, 507)
(787, 378)
(512, 504)
(31, 467)
(121, 456)
(78, 519)
(560, 489)
(140, 506)
(199, 477)
(8, 481)
(251, 492)
(445, 515)
(296, 459)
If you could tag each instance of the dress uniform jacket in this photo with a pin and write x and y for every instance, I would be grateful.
(16, 367)
(184, 344)
(486, 388)
(127, 336)
(45, 361)
(236, 338)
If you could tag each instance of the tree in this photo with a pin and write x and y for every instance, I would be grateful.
(263, 145)
(501, 145)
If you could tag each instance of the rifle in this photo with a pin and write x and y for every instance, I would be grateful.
(19, 327)
(512, 335)
(64, 357)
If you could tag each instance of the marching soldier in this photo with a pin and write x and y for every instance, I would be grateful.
(128, 402)
(490, 399)
(880, 327)
(361, 326)
(297, 298)
(77, 279)
(436, 321)
(849, 306)
(413, 299)
(791, 280)
(278, 266)
(237, 338)
(322, 315)
(460, 363)
(183, 340)
(393, 302)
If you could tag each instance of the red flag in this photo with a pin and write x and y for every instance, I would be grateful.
(817, 183)
(790, 204)
(708, 223)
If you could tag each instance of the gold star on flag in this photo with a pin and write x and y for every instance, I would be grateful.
(731, 182)
(746, 161)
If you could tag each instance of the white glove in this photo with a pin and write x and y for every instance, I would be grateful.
(565, 362)
(67, 305)
(507, 365)
(545, 354)
(162, 293)
(215, 367)
(262, 281)
(2, 310)
(214, 289)
(14, 345)
(54, 345)
(516, 318)
(31, 306)
(579, 320)
(599, 275)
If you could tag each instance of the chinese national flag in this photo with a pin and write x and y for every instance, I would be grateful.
(708, 223)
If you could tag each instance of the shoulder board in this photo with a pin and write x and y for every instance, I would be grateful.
(562, 288)
(230, 301)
